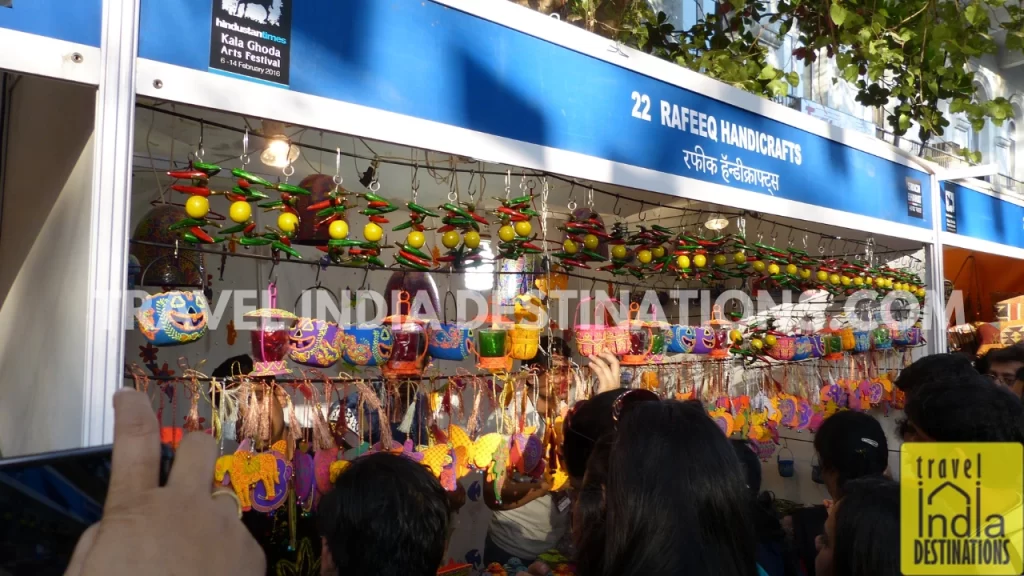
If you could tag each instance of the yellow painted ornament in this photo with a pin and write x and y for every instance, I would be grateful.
(759, 267)
(338, 230)
(791, 269)
(570, 246)
(757, 344)
(771, 340)
(658, 251)
(198, 207)
(523, 228)
(450, 239)
(740, 257)
(644, 256)
(619, 252)
(590, 241)
(845, 280)
(869, 281)
(720, 260)
(735, 336)
(287, 222)
(858, 281)
(472, 239)
(805, 273)
(822, 276)
(416, 239)
(773, 268)
(833, 278)
(507, 233)
(683, 261)
(372, 232)
(239, 212)
(700, 260)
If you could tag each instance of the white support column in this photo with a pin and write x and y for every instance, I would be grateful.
(109, 218)
(936, 300)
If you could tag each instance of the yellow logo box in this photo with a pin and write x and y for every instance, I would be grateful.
(961, 509)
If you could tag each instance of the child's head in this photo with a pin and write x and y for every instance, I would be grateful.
(387, 516)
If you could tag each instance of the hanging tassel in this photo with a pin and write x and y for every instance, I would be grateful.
(410, 413)
(368, 398)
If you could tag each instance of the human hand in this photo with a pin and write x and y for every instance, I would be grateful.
(178, 529)
(606, 368)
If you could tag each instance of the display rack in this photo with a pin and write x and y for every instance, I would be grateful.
(487, 80)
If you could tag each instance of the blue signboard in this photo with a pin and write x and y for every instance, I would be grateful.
(76, 21)
(977, 215)
(425, 60)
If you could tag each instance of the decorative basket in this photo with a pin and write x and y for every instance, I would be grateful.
(784, 348)
(802, 348)
(616, 340)
(862, 341)
(590, 338)
(881, 339)
(849, 341)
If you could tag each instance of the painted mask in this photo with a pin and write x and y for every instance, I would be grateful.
(315, 343)
(173, 318)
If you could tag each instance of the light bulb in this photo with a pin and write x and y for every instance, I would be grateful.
(279, 152)
(717, 222)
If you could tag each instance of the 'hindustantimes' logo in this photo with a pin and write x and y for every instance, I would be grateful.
(961, 509)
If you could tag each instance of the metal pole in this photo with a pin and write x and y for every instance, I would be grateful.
(936, 300)
(109, 218)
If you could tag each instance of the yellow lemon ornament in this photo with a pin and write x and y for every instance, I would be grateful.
(683, 261)
(759, 267)
(472, 239)
(590, 242)
(199, 206)
(822, 276)
(644, 256)
(771, 340)
(720, 260)
(338, 230)
(739, 257)
(240, 211)
(773, 268)
(372, 232)
(287, 222)
(619, 252)
(450, 239)
(658, 251)
(791, 269)
(507, 233)
(416, 239)
(523, 228)
(735, 336)
(570, 246)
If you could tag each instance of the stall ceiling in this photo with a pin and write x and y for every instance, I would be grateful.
(167, 133)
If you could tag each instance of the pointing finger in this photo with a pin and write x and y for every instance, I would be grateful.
(135, 466)
(193, 464)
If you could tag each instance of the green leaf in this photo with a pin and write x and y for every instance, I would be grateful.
(850, 73)
(778, 88)
(793, 78)
(904, 123)
(838, 14)
(972, 13)
(768, 73)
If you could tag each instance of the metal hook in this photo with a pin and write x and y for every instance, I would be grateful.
(572, 198)
(366, 274)
(641, 216)
(318, 269)
(616, 209)
(245, 147)
(200, 152)
(337, 170)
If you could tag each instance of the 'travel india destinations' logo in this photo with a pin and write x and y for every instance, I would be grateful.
(961, 509)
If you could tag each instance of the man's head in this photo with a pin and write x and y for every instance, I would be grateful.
(552, 368)
(387, 516)
(972, 410)
(1004, 363)
(931, 368)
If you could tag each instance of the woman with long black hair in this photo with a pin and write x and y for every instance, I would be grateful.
(675, 499)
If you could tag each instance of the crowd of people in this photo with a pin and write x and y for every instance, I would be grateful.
(656, 490)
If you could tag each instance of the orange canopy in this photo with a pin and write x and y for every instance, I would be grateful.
(984, 279)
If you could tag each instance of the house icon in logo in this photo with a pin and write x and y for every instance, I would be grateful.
(947, 513)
